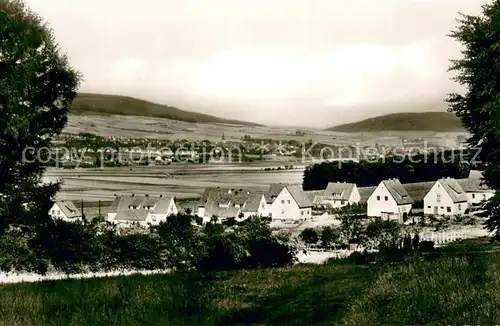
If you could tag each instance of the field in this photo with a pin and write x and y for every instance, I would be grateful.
(185, 181)
(160, 128)
(459, 284)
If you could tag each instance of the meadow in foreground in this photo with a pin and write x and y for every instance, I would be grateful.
(457, 285)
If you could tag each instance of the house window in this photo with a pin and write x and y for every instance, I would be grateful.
(438, 198)
(459, 207)
(484, 196)
(288, 201)
(302, 213)
(448, 209)
(428, 207)
(442, 207)
(263, 205)
(378, 197)
(473, 196)
(282, 211)
(386, 198)
(282, 201)
(53, 211)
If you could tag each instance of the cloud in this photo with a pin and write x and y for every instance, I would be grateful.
(262, 60)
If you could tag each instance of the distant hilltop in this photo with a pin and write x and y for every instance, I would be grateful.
(105, 104)
(415, 121)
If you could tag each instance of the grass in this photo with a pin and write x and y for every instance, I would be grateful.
(88, 103)
(458, 286)
(423, 121)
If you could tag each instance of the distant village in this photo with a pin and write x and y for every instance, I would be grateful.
(89, 151)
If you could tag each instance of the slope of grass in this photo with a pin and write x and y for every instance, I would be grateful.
(451, 287)
(415, 121)
(88, 103)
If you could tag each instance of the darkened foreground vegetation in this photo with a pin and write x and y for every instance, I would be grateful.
(180, 243)
(407, 168)
(455, 285)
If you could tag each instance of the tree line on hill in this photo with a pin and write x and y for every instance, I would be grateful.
(408, 169)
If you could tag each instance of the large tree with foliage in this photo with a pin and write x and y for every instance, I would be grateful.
(479, 105)
(37, 87)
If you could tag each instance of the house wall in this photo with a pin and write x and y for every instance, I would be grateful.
(111, 216)
(284, 207)
(355, 196)
(264, 209)
(172, 209)
(438, 202)
(59, 214)
(377, 206)
(56, 212)
(477, 197)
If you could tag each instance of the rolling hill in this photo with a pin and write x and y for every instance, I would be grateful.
(414, 121)
(103, 104)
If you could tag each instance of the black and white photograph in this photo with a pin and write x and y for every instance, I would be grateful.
(217, 162)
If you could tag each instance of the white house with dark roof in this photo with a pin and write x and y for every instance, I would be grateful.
(288, 202)
(475, 188)
(65, 210)
(389, 201)
(445, 198)
(142, 210)
(231, 203)
(338, 194)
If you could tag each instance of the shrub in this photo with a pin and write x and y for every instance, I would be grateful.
(309, 236)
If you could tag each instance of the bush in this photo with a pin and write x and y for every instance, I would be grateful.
(309, 236)
(179, 243)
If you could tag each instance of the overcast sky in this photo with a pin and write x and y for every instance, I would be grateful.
(294, 62)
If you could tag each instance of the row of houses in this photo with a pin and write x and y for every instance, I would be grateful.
(289, 202)
(447, 197)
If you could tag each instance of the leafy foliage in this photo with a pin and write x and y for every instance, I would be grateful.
(309, 236)
(180, 243)
(479, 106)
(37, 86)
(408, 169)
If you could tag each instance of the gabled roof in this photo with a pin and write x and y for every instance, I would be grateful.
(475, 183)
(275, 189)
(69, 209)
(252, 204)
(299, 195)
(314, 195)
(397, 191)
(475, 174)
(213, 209)
(220, 195)
(454, 190)
(158, 205)
(339, 190)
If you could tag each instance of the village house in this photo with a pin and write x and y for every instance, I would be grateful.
(389, 201)
(66, 211)
(338, 194)
(142, 210)
(445, 198)
(288, 203)
(226, 203)
(475, 188)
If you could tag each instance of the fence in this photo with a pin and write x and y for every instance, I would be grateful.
(318, 256)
